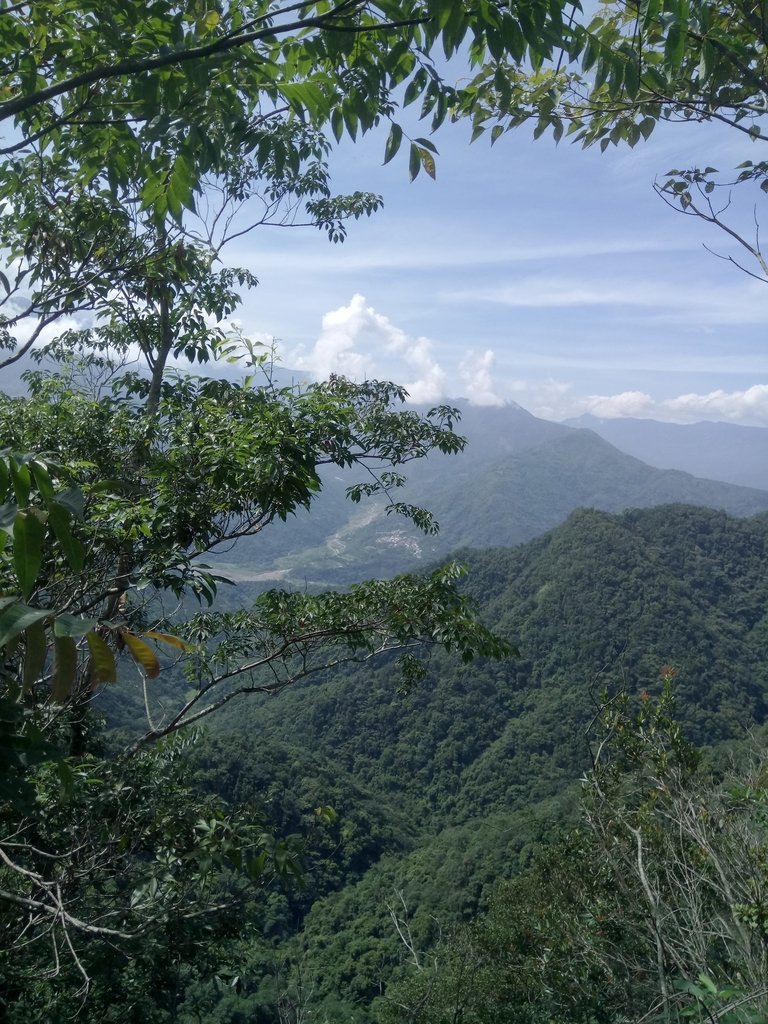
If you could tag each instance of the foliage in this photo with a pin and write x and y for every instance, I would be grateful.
(120, 863)
(648, 910)
(137, 136)
(482, 764)
(140, 140)
(623, 68)
(537, 472)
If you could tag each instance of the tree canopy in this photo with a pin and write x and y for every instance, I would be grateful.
(140, 140)
(620, 69)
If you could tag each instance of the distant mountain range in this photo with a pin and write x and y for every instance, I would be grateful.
(518, 477)
(719, 451)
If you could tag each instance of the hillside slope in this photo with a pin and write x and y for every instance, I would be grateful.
(518, 477)
(720, 451)
(481, 759)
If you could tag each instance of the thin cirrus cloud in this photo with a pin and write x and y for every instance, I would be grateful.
(664, 302)
(370, 250)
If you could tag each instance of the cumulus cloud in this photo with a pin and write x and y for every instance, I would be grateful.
(627, 403)
(553, 399)
(360, 343)
(749, 406)
(477, 384)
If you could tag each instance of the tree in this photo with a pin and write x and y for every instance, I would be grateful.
(627, 66)
(650, 909)
(136, 132)
(127, 122)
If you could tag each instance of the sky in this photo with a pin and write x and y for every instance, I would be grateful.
(546, 275)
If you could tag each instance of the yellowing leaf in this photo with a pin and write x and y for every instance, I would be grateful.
(142, 654)
(103, 668)
(167, 638)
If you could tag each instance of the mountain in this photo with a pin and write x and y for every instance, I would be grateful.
(718, 451)
(481, 760)
(518, 476)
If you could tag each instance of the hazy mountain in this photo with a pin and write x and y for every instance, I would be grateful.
(718, 451)
(518, 477)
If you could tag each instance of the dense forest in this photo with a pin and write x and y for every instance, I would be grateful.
(504, 783)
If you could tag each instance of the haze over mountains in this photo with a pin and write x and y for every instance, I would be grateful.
(719, 451)
(518, 477)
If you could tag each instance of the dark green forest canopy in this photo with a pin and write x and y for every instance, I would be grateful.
(481, 763)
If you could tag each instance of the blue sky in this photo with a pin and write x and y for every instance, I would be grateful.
(551, 276)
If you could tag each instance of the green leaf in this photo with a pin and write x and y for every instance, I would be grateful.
(28, 537)
(674, 47)
(103, 666)
(393, 142)
(72, 625)
(632, 78)
(646, 126)
(35, 652)
(22, 482)
(64, 668)
(42, 478)
(16, 618)
(58, 520)
(414, 162)
(650, 11)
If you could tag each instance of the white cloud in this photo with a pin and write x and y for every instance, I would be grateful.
(477, 384)
(553, 399)
(360, 343)
(749, 406)
(684, 303)
(446, 252)
(628, 403)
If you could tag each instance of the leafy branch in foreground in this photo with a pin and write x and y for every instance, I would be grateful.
(141, 139)
(122, 518)
(619, 70)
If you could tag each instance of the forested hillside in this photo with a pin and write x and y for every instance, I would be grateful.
(419, 798)
(718, 451)
(479, 762)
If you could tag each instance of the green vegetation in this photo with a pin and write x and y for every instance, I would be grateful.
(135, 135)
(650, 908)
(482, 764)
(537, 472)
(622, 69)
(147, 878)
